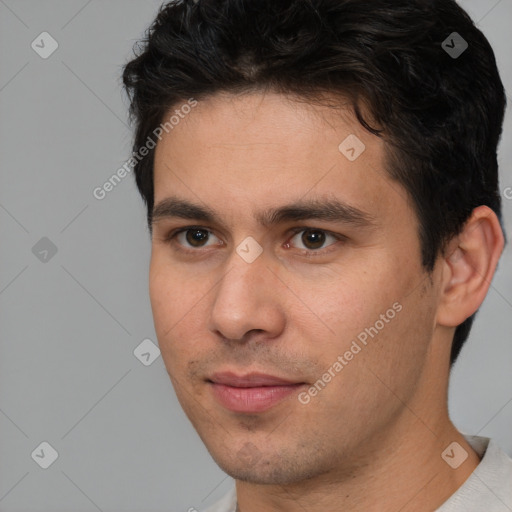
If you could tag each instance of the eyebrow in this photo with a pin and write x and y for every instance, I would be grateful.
(331, 210)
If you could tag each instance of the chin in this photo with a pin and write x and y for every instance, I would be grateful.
(271, 470)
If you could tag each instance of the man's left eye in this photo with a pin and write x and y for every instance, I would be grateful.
(313, 239)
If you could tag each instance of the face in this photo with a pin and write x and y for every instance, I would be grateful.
(279, 254)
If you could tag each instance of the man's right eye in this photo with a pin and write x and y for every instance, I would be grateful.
(190, 238)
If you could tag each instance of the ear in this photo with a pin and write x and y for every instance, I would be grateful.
(468, 266)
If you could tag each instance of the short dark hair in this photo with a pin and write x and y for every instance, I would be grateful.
(440, 114)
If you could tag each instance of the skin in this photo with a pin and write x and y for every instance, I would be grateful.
(372, 438)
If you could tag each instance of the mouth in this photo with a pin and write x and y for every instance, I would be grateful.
(251, 393)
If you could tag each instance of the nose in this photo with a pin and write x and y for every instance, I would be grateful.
(246, 299)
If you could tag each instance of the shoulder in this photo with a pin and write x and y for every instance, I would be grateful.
(489, 487)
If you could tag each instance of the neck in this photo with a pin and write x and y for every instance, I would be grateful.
(402, 470)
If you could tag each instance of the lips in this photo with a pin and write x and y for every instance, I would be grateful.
(250, 380)
(251, 393)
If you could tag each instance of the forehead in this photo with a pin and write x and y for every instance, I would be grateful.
(234, 152)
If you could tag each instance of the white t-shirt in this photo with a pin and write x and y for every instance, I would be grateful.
(488, 488)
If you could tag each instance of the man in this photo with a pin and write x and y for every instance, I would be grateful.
(325, 217)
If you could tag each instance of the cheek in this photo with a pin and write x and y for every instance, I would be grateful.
(171, 304)
(172, 292)
(376, 306)
(347, 300)
(179, 303)
(162, 294)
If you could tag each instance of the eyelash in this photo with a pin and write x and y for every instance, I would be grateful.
(170, 239)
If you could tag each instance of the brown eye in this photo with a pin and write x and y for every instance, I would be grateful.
(196, 237)
(312, 239)
(193, 238)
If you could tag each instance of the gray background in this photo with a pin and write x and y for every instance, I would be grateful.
(69, 325)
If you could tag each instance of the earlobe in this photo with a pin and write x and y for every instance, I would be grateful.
(469, 264)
